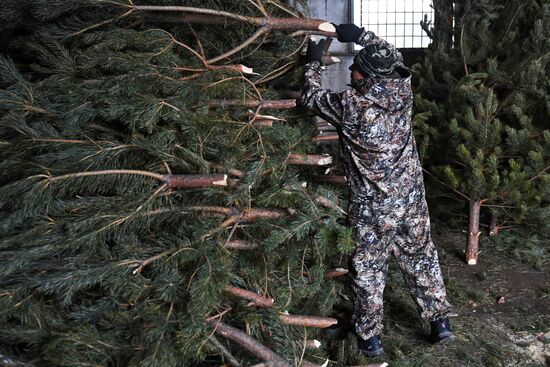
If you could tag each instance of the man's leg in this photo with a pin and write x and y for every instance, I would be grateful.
(369, 266)
(417, 258)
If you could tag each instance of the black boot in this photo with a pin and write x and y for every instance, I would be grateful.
(441, 331)
(372, 347)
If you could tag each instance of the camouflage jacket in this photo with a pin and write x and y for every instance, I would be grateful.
(376, 137)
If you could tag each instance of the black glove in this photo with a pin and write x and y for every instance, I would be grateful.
(348, 32)
(315, 51)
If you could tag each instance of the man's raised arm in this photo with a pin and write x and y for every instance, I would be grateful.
(323, 102)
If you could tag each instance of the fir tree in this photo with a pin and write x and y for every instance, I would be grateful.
(153, 189)
(483, 106)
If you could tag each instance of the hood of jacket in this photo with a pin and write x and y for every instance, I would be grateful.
(389, 93)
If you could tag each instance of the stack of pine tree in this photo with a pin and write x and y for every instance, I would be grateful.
(158, 203)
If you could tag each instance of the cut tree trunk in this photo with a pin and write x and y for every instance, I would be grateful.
(211, 16)
(245, 215)
(473, 232)
(248, 343)
(280, 104)
(325, 138)
(310, 159)
(335, 273)
(171, 181)
(241, 245)
(308, 321)
(255, 298)
(195, 181)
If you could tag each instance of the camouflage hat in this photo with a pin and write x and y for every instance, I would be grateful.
(376, 60)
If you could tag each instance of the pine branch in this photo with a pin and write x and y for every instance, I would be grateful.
(280, 71)
(309, 159)
(265, 24)
(268, 22)
(323, 201)
(260, 32)
(464, 196)
(280, 104)
(248, 343)
(255, 298)
(171, 181)
(539, 174)
(223, 350)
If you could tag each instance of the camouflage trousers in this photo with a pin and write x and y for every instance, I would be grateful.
(405, 232)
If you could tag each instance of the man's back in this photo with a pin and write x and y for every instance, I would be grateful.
(374, 124)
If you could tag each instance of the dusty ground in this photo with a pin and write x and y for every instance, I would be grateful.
(501, 312)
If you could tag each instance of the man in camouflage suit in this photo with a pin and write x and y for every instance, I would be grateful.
(387, 206)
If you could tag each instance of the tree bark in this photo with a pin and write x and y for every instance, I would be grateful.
(310, 159)
(248, 343)
(171, 181)
(335, 273)
(195, 181)
(473, 233)
(256, 299)
(193, 15)
(241, 245)
(281, 104)
(308, 321)
(245, 214)
(326, 138)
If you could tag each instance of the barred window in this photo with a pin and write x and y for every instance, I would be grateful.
(397, 21)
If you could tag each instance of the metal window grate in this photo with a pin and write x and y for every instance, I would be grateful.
(397, 21)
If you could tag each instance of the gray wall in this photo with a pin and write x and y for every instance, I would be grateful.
(336, 11)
